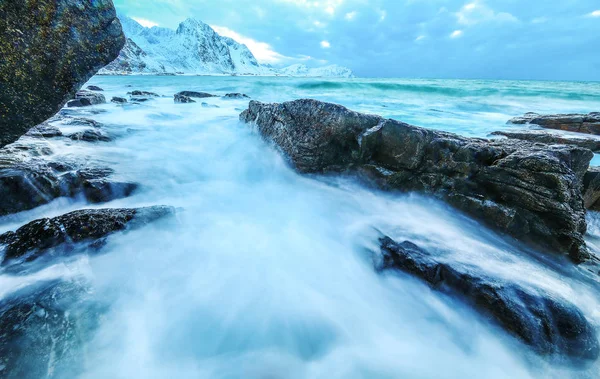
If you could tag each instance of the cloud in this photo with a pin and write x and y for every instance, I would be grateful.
(350, 15)
(456, 34)
(420, 38)
(595, 13)
(261, 50)
(144, 22)
(477, 12)
(325, 44)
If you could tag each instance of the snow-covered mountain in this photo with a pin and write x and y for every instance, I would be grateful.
(195, 48)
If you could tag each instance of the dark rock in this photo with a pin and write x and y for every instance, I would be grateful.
(540, 136)
(183, 99)
(591, 189)
(143, 93)
(195, 94)
(41, 237)
(49, 49)
(118, 100)
(44, 329)
(530, 191)
(236, 96)
(44, 130)
(28, 179)
(547, 323)
(580, 123)
(80, 121)
(207, 105)
(85, 98)
(94, 88)
(90, 135)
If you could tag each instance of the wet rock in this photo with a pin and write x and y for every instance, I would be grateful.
(579, 123)
(236, 96)
(199, 95)
(30, 178)
(591, 189)
(207, 105)
(118, 100)
(549, 324)
(90, 135)
(85, 98)
(94, 88)
(541, 136)
(49, 49)
(44, 328)
(183, 99)
(44, 130)
(529, 191)
(143, 93)
(79, 228)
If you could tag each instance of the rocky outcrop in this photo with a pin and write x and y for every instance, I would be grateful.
(87, 226)
(118, 100)
(44, 130)
(592, 143)
(49, 49)
(194, 94)
(183, 99)
(530, 191)
(29, 177)
(90, 135)
(591, 188)
(141, 96)
(549, 324)
(580, 123)
(86, 98)
(236, 96)
(44, 328)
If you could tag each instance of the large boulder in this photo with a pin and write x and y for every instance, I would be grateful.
(49, 49)
(86, 98)
(84, 228)
(549, 324)
(542, 136)
(580, 123)
(530, 191)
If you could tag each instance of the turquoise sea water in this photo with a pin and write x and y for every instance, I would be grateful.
(269, 274)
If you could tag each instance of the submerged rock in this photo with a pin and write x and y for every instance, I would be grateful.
(592, 143)
(207, 105)
(44, 328)
(49, 49)
(29, 178)
(236, 96)
(580, 123)
(195, 94)
(530, 191)
(85, 98)
(118, 100)
(143, 93)
(94, 88)
(88, 226)
(44, 130)
(547, 323)
(90, 135)
(183, 99)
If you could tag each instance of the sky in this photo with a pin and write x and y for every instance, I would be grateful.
(486, 39)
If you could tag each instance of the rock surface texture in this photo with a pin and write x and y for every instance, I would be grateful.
(550, 325)
(587, 142)
(49, 49)
(580, 123)
(530, 191)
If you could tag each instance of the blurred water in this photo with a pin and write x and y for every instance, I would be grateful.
(268, 274)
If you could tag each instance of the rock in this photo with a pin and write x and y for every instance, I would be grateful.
(90, 135)
(49, 49)
(529, 191)
(591, 189)
(207, 105)
(44, 328)
(94, 88)
(29, 179)
(579, 123)
(118, 100)
(143, 93)
(44, 130)
(236, 96)
(195, 94)
(183, 99)
(80, 121)
(540, 136)
(42, 237)
(549, 324)
(85, 98)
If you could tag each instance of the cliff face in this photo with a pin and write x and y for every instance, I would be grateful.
(49, 49)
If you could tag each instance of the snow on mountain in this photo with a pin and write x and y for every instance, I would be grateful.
(195, 48)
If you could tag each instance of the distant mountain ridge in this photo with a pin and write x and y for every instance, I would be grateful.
(195, 48)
